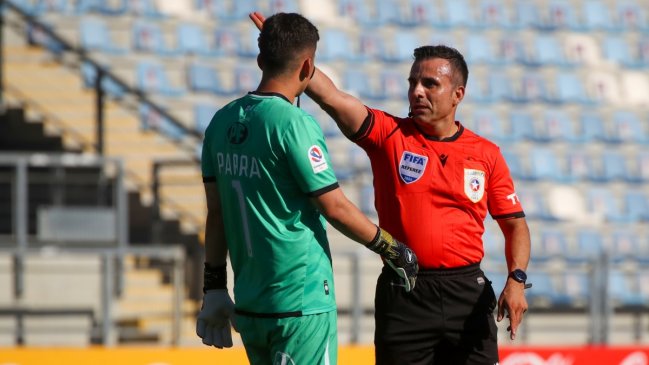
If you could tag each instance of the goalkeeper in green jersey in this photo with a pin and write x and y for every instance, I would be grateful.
(270, 186)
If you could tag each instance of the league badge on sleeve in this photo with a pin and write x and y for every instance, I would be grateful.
(474, 184)
(317, 159)
(412, 167)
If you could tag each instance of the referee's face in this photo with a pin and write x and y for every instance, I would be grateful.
(433, 94)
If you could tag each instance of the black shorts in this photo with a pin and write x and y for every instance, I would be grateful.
(447, 319)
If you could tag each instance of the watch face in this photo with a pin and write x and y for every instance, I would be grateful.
(519, 275)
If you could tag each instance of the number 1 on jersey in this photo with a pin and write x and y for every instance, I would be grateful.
(236, 185)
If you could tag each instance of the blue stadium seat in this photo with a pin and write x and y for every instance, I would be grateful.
(545, 165)
(552, 244)
(152, 77)
(631, 16)
(88, 6)
(402, 45)
(547, 50)
(228, 10)
(335, 45)
(479, 50)
(283, 6)
(248, 47)
(515, 165)
(526, 14)
(203, 113)
(636, 205)
(580, 166)
(589, 247)
(203, 78)
(357, 82)
(604, 204)
(556, 125)
(458, 13)
(490, 125)
(627, 127)
(532, 89)
(569, 88)
(623, 289)
(226, 42)
(40, 7)
(576, 285)
(494, 247)
(522, 125)
(641, 167)
(393, 84)
(370, 47)
(597, 16)
(150, 119)
(369, 16)
(246, 78)
(367, 199)
(95, 36)
(591, 127)
(89, 76)
(148, 37)
(625, 246)
(147, 9)
(614, 167)
(192, 40)
(544, 291)
(493, 14)
(561, 16)
(534, 203)
(617, 49)
(419, 12)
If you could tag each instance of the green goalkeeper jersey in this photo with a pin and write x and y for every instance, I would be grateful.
(268, 158)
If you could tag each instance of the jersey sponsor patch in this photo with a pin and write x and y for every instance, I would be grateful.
(474, 184)
(317, 159)
(412, 167)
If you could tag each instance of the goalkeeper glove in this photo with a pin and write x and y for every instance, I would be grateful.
(213, 322)
(397, 255)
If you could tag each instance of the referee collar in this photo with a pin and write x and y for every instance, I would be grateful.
(261, 93)
(452, 138)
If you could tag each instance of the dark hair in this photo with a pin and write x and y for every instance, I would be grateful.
(283, 38)
(451, 54)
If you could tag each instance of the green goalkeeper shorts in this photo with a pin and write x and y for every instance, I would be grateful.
(304, 340)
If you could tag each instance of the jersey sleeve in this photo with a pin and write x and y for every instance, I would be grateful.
(375, 129)
(207, 163)
(308, 157)
(503, 202)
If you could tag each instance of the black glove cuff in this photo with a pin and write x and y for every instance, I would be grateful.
(214, 277)
(383, 244)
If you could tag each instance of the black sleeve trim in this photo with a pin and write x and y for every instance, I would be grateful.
(207, 179)
(520, 214)
(326, 189)
(365, 128)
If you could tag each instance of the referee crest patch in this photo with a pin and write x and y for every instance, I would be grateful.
(474, 184)
(412, 167)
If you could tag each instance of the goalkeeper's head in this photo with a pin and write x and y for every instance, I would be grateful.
(287, 43)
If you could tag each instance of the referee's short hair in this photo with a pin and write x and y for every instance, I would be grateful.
(451, 54)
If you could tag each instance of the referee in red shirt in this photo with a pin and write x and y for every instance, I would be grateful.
(434, 182)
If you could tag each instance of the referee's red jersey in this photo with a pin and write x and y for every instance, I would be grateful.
(434, 194)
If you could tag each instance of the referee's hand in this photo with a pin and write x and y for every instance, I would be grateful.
(512, 300)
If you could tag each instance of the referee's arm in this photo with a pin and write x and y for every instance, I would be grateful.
(517, 252)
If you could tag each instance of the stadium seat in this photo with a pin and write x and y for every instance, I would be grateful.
(545, 165)
(246, 78)
(604, 205)
(400, 46)
(641, 167)
(368, 46)
(393, 84)
(357, 82)
(89, 76)
(493, 14)
(569, 88)
(534, 203)
(614, 167)
(625, 246)
(458, 13)
(561, 15)
(479, 50)
(618, 50)
(151, 119)
(526, 15)
(420, 13)
(532, 88)
(283, 6)
(203, 113)
(335, 45)
(589, 247)
(576, 285)
(597, 16)
(631, 16)
(556, 125)
(226, 42)
(143, 9)
(41, 7)
(544, 292)
(203, 78)
(623, 289)
(636, 205)
(515, 164)
(152, 77)
(552, 245)
(369, 16)
(248, 47)
(591, 127)
(227, 10)
(547, 50)
(491, 125)
(148, 37)
(192, 40)
(95, 36)
(522, 125)
(627, 127)
(580, 166)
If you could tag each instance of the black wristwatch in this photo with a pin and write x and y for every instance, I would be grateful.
(518, 275)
